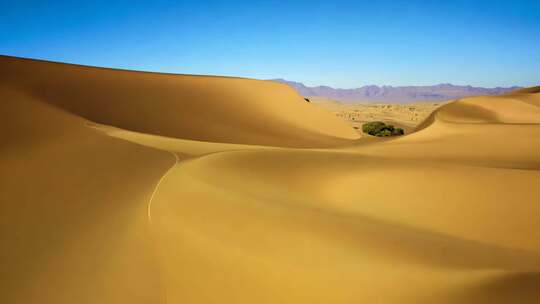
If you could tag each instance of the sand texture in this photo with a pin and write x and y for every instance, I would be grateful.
(133, 187)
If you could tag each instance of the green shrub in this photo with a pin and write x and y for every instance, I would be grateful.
(384, 133)
(380, 129)
(374, 127)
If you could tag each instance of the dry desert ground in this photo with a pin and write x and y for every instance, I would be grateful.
(404, 115)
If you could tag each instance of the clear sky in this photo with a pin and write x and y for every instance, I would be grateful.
(338, 43)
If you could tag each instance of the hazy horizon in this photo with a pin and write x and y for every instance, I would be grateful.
(385, 85)
(342, 44)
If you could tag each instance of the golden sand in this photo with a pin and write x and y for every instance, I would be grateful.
(132, 187)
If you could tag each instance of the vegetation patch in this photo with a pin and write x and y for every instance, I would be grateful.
(380, 129)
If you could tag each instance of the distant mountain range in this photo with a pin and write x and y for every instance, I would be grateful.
(373, 93)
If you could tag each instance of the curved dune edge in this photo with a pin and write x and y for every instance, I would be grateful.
(109, 205)
(74, 226)
(530, 90)
(203, 108)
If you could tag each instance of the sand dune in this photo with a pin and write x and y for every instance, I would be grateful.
(131, 187)
(183, 106)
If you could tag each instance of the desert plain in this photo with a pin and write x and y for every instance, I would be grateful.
(133, 187)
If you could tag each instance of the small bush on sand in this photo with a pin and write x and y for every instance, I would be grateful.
(379, 128)
(373, 127)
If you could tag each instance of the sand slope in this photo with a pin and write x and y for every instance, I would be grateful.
(127, 187)
(218, 109)
(74, 226)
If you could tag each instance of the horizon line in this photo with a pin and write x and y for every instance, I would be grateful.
(250, 78)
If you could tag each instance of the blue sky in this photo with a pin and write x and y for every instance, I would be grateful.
(338, 43)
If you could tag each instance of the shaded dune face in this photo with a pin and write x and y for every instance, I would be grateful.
(129, 187)
(73, 226)
(531, 90)
(218, 109)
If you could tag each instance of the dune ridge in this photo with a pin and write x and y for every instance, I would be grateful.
(180, 106)
(132, 187)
